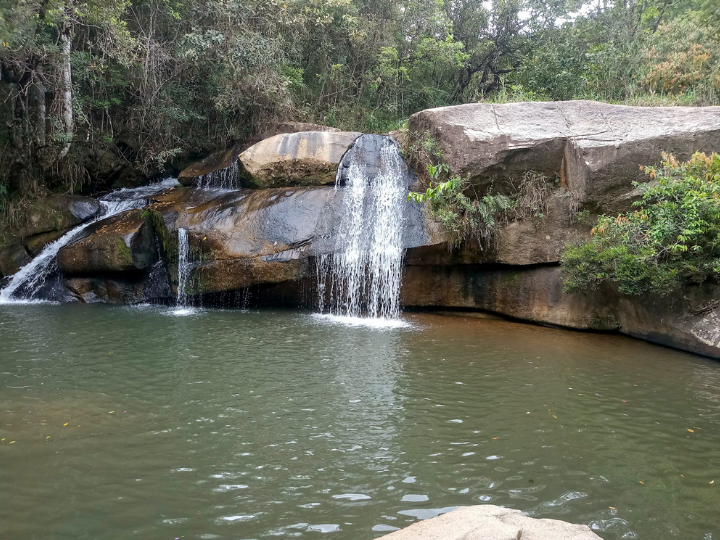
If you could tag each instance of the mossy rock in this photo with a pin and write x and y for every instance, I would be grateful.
(122, 243)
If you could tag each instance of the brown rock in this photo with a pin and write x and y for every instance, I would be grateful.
(595, 148)
(122, 243)
(58, 212)
(12, 258)
(297, 159)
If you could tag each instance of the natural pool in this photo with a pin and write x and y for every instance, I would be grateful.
(122, 423)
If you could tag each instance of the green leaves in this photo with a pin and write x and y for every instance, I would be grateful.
(673, 235)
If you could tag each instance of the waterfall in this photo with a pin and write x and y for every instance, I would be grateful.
(183, 301)
(224, 179)
(363, 274)
(26, 284)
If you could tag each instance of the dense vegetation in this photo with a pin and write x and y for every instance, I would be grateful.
(101, 92)
(672, 237)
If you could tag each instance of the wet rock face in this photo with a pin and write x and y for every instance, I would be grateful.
(596, 148)
(308, 158)
(152, 285)
(12, 258)
(489, 522)
(122, 243)
(218, 161)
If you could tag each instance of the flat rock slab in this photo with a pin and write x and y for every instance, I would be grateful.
(307, 158)
(595, 148)
(489, 522)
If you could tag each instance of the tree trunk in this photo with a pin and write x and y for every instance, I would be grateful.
(40, 93)
(66, 90)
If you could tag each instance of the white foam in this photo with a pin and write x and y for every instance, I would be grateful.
(366, 322)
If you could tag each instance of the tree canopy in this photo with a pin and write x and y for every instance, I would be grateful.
(86, 85)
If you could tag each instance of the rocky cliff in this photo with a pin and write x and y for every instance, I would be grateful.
(265, 241)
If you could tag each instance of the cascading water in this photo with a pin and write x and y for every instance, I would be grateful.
(183, 300)
(224, 179)
(363, 274)
(26, 284)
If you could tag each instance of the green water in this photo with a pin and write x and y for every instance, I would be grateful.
(120, 423)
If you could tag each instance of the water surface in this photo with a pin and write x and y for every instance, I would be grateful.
(121, 423)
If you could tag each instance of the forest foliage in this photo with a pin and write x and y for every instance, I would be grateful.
(88, 86)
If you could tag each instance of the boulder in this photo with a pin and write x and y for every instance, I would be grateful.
(307, 158)
(218, 167)
(56, 213)
(595, 148)
(489, 522)
(12, 258)
(122, 243)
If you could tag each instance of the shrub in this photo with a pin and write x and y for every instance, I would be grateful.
(672, 236)
(464, 217)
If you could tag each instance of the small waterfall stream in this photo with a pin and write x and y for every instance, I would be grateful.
(26, 284)
(223, 179)
(183, 300)
(363, 274)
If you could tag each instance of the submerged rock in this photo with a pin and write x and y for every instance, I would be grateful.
(595, 148)
(308, 158)
(489, 522)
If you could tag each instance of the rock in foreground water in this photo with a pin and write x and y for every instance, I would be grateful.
(489, 522)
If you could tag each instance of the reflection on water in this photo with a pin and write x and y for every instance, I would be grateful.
(123, 423)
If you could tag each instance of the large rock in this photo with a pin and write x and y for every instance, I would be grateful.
(261, 237)
(595, 148)
(122, 243)
(489, 522)
(57, 212)
(297, 159)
